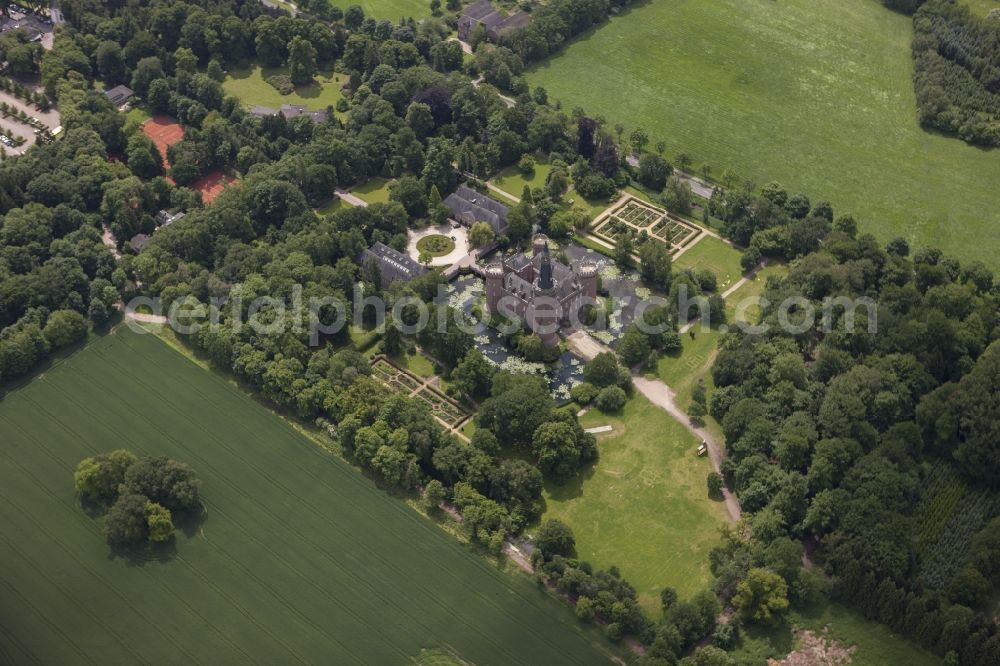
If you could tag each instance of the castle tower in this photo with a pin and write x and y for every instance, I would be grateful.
(545, 283)
(588, 280)
(494, 286)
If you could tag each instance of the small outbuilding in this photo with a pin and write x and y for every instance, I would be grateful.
(119, 96)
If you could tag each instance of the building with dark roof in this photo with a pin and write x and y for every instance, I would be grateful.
(165, 218)
(139, 242)
(495, 23)
(544, 293)
(392, 265)
(468, 206)
(119, 96)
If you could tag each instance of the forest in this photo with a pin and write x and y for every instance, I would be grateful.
(956, 57)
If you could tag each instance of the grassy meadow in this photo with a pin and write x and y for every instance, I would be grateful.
(874, 644)
(251, 86)
(815, 95)
(717, 256)
(299, 559)
(644, 506)
(392, 10)
(376, 190)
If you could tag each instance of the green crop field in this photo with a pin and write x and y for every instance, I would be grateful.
(300, 558)
(983, 7)
(250, 85)
(645, 506)
(816, 95)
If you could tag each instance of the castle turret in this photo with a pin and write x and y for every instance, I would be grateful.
(494, 286)
(540, 242)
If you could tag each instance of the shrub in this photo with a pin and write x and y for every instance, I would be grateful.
(583, 393)
(610, 399)
(282, 83)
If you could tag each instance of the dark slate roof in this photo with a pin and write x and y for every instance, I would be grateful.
(466, 200)
(479, 10)
(392, 265)
(513, 22)
(119, 95)
(138, 242)
(290, 111)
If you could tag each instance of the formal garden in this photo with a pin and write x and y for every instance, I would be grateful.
(447, 410)
(643, 220)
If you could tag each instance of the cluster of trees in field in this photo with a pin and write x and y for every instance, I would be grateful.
(957, 71)
(831, 433)
(141, 495)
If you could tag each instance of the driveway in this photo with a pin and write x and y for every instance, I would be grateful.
(459, 235)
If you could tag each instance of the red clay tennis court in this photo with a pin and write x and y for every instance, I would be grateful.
(164, 131)
(211, 185)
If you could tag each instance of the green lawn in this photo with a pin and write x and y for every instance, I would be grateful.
(816, 95)
(376, 190)
(875, 644)
(391, 9)
(300, 557)
(331, 206)
(983, 7)
(512, 181)
(249, 84)
(715, 255)
(643, 506)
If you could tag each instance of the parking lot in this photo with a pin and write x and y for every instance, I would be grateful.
(17, 128)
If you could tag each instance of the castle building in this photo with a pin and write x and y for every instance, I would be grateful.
(544, 293)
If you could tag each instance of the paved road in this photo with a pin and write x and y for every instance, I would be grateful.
(466, 47)
(661, 395)
(509, 101)
(352, 199)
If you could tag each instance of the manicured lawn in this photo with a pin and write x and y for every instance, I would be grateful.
(715, 255)
(875, 644)
(376, 190)
(643, 506)
(816, 95)
(249, 84)
(418, 364)
(299, 559)
(436, 245)
(512, 181)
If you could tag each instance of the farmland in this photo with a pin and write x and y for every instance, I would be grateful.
(300, 558)
(644, 505)
(817, 96)
(392, 10)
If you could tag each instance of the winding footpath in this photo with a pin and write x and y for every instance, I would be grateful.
(661, 395)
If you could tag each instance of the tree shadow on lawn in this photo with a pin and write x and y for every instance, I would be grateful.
(572, 487)
(188, 523)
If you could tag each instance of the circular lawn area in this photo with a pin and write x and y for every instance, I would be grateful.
(436, 245)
